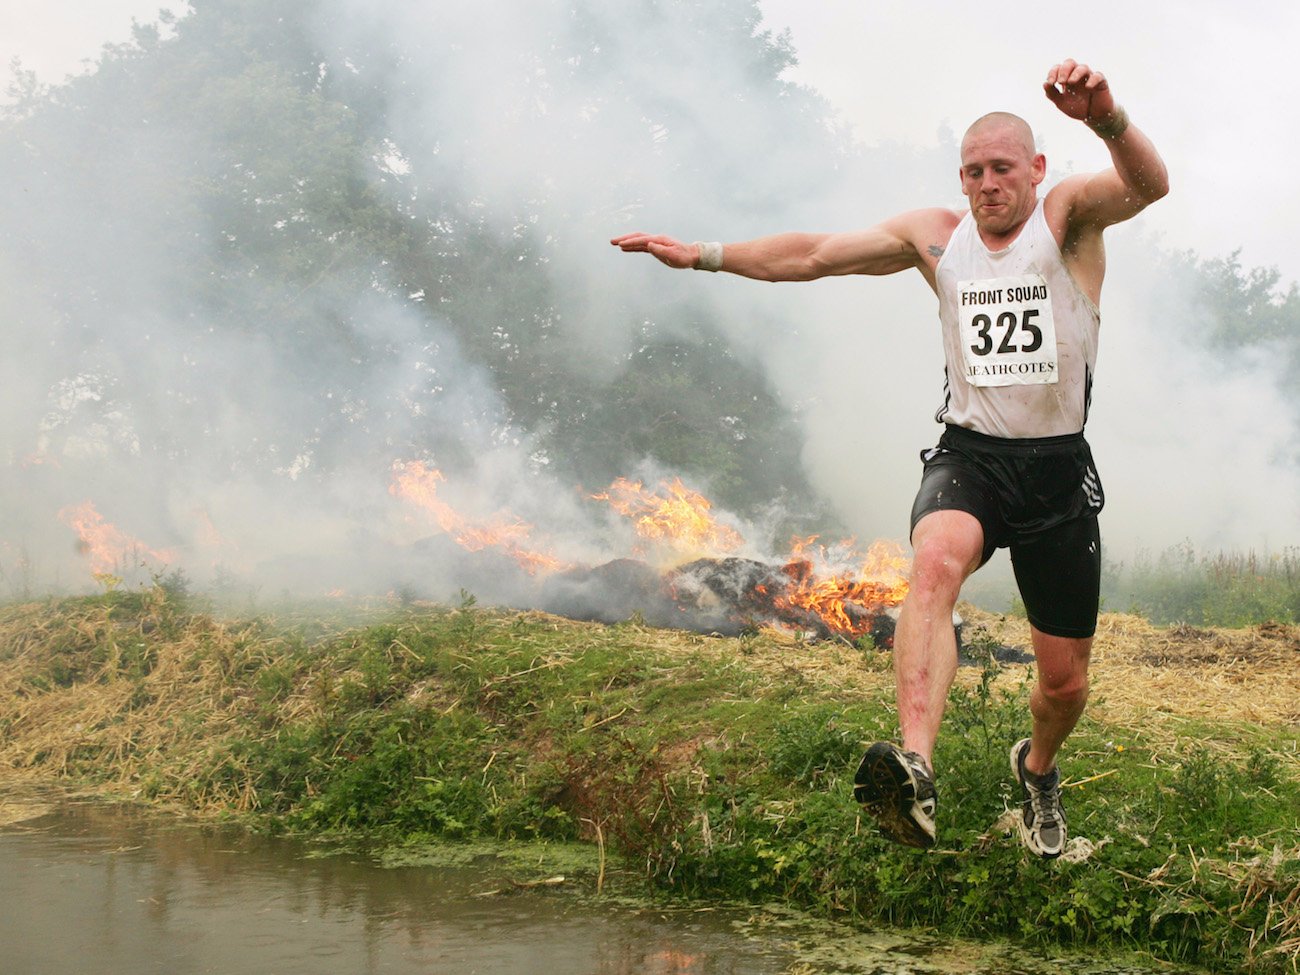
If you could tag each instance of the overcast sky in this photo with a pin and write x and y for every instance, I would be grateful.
(55, 37)
(1198, 77)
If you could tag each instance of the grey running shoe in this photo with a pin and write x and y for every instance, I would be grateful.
(1042, 820)
(897, 789)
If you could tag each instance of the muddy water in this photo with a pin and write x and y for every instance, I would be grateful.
(88, 887)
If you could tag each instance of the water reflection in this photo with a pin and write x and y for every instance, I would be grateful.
(88, 887)
(108, 889)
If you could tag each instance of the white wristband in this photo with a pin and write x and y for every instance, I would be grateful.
(710, 256)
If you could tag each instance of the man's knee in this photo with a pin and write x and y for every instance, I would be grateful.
(946, 549)
(1062, 669)
(1064, 692)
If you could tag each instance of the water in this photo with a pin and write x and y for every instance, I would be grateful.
(89, 887)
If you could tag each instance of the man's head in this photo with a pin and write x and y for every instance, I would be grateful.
(1000, 172)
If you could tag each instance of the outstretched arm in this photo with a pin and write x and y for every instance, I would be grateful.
(891, 246)
(1139, 176)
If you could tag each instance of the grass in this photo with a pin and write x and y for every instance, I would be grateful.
(1185, 585)
(715, 767)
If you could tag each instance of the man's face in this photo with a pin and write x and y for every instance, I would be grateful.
(999, 173)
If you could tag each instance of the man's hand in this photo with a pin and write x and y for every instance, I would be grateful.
(1080, 93)
(1089, 203)
(671, 252)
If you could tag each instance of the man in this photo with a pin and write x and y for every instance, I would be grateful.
(1018, 280)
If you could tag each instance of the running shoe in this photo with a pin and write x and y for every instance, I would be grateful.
(1042, 820)
(897, 789)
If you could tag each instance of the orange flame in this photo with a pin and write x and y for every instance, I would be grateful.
(676, 515)
(206, 530)
(418, 485)
(108, 547)
(880, 581)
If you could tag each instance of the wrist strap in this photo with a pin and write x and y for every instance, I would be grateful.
(710, 256)
(1113, 127)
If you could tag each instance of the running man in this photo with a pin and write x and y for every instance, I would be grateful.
(1018, 279)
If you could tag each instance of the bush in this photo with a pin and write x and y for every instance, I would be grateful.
(1223, 589)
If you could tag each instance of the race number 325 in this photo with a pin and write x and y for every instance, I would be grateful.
(1007, 332)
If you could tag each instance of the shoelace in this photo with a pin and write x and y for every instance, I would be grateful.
(1044, 802)
(919, 769)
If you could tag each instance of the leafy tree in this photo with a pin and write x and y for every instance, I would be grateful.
(241, 222)
(1235, 309)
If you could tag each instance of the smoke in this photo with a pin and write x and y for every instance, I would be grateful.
(1193, 445)
(217, 427)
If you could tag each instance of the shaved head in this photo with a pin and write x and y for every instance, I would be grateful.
(1000, 173)
(1003, 120)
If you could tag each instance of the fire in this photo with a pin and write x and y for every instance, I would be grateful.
(845, 601)
(418, 485)
(834, 590)
(109, 548)
(838, 587)
(206, 530)
(675, 515)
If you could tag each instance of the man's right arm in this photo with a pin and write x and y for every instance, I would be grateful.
(895, 245)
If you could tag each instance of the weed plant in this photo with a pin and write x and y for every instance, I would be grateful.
(1182, 585)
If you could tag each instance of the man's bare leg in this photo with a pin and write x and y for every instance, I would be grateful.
(947, 546)
(1059, 696)
(1056, 703)
(896, 786)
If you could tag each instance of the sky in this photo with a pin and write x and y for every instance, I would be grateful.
(1169, 421)
(56, 38)
(1198, 76)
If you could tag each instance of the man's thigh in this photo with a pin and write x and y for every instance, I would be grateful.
(1059, 575)
(953, 485)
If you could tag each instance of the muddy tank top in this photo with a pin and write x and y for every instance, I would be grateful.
(1019, 337)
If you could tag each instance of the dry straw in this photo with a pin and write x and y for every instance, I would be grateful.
(166, 721)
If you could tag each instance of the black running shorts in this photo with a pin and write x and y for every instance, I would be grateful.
(1037, 497)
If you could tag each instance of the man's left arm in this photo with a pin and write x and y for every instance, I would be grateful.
(1139, 176)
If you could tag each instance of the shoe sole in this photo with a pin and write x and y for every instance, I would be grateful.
(1026, 835)
(884, 787)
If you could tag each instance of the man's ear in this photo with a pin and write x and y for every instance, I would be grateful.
(1038, 168)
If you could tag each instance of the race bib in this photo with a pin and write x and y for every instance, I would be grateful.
(1007, 333)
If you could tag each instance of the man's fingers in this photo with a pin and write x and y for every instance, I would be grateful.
(669, 250)
(1071, 73)
(1097, 81)
(1060, 72)
(639, 241)
(1080, 73)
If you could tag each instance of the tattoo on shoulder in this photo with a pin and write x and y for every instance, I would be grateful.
(935, 250)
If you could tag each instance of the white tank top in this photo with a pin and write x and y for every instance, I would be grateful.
(1019, 337)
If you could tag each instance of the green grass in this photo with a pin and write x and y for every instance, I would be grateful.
(1183, 585)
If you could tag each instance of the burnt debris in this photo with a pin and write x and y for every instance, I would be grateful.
(727, 596)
